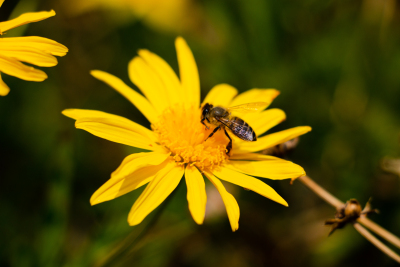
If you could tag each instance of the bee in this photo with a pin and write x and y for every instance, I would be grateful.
(222, 119)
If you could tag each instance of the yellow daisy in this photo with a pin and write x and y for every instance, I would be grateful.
(176, 143)
(34, 50)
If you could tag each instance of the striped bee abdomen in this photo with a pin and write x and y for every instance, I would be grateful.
(241, 129)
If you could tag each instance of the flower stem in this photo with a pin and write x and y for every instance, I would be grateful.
(135, 237)
(332, 200)
(371, 238)
(317, 189)
(380, 231)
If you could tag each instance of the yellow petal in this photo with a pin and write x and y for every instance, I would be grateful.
(255, 95)
(29, 54)
(231, 205)
(188, 72)
(135, 98)
(137, 161)
(221, 95)
(270, 140)
(25, 19)
(128, 180)
(196, 193)
(156, 192)
(113, 128)
(87, 115)
(43, 44)
(143, 76)
(166, 74)
(4, 89)
(1, 2)
(251, 156)
(115, 133)
(15, 68)
(249, 182)
(272, 168)
(262, 122)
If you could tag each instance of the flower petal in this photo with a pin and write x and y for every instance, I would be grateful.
(30, 55)
(114, 133)
(249, 182)
(135, 98)
(137, 161)
(167, 75)
(87, 115)
(272, 168)
(136, 170)
(114, 128)
(25, 19)
(143, 76)
(251, 156)
(156, 192)
(4, 89)
(1, 2)
(221, 95)
(255, 95)
(262, 122)
(188, 72)
(196, 193)
(15, 68)
(270, 140)
(44, 44)
(231, 205)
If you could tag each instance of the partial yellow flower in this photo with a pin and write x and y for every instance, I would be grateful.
(164, 15)
(34, 50)
(176, 143)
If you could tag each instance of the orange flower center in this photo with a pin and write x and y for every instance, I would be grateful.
(180, 131)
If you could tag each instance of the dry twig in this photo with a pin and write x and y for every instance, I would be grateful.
(332, 200)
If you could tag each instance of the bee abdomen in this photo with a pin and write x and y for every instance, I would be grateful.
(241, 129)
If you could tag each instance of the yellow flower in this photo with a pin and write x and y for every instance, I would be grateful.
(177, 141)
(34, 50)
(164, 15)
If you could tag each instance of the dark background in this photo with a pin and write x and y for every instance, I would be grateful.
(337, 66)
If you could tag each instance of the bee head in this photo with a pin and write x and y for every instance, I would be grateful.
(206, 110)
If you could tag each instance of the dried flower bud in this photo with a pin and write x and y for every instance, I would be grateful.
(348, 213)
(352, 209)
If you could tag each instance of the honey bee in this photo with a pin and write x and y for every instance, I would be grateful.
(222, 119)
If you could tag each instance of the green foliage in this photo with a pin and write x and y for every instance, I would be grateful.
(337, 66)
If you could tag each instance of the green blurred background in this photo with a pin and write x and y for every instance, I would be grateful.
(337, 66)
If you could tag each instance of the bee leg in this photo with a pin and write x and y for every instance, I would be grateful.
(213, 132)
(202, 122)
(229, 146)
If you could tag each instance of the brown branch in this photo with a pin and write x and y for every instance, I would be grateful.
(364, 232)
(325, 195)
(332, 200)
(380, 231)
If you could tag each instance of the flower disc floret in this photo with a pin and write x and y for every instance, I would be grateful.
(179, 130)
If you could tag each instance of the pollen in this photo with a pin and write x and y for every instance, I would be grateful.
(180, 131)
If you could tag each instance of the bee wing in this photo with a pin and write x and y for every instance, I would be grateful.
(249, 107)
